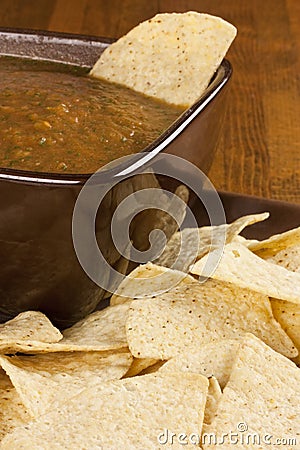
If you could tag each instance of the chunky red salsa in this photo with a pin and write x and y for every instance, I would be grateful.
(55, 118)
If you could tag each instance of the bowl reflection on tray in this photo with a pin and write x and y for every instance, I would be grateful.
(40, 269)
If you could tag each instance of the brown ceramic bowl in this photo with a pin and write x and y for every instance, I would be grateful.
(39, 267)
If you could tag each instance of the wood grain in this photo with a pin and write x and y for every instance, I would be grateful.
(259, 148)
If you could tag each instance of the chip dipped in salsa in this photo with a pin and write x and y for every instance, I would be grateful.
(60, 118)
(56, 118)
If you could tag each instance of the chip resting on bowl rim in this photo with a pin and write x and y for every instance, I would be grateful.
(171, 56)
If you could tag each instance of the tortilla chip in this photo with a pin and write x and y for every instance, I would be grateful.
(29, 326)
(274, 244)
(106, 327)
(213, 359)
(262, 398)
(243, 268)
(100, 331)
(213, 397)
(288, 258)
(43, 382)
(133, 413)
(12, 412)
(138, 365)
(187, 246)
(171, 57)
(148, 280)
(192, 315)
(288, 315)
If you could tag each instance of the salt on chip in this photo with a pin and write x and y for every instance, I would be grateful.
(171, 57)
(132, 413)
(212, 359)
(12, 412)
(100, 331)
(43, 382)
(29, 326)
(148, 280)
(192, 315)
(288, 257)
(191, 244)
(262, 394)
(243, 268)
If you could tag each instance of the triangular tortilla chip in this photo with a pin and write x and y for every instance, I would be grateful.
(274, 244)
(192, 315)
(100, 331)
(288, 257)
(288, 315)
(43, 382)
(148, 280)
(243, 268)
(187, 246)
(261, 400)
(133, 413)
(171, 57)
(29, 326)
(213, 359)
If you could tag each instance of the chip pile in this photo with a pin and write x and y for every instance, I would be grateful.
(174, 361)
(199, 364)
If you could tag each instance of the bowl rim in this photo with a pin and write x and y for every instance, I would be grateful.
(139, 159)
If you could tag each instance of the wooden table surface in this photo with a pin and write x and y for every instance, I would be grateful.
(259, 150)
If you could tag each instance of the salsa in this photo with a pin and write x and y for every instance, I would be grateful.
(56, 118)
